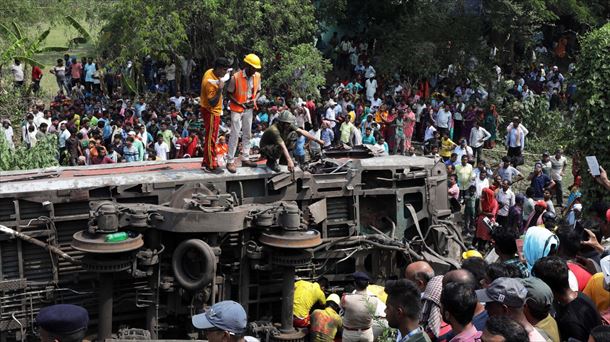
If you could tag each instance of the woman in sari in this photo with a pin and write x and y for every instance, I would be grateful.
(409, 126)
(491, 124)
(488, 207)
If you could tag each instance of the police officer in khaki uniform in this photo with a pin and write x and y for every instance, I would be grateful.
(358, 311)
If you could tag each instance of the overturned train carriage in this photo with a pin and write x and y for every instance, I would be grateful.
(145, 246)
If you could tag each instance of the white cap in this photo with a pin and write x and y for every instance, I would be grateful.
(131, 133)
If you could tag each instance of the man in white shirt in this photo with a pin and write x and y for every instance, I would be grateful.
(481, 182)
(38, 116)
(177, 100)
(443, 119)
(7, 130)
(515, 139)
(429, 134)
(369, 71)
(330, 115)
(558, 167)
(161, 148)
(371, 88)
(376, 103)
(464, 150)
(17, 71)
(478, 136)
(506, 199)
(526, 93)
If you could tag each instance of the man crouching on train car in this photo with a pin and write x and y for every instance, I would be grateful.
(62, 323)
(225, 321)
(280, 139)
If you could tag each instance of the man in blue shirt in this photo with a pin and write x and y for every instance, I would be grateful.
(369, 137)
(130, 153)
(540, 181)
(90, 69)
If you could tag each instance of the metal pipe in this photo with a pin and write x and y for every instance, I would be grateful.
(26, 238)
(287, 300)
(104, 328)
(153, 241)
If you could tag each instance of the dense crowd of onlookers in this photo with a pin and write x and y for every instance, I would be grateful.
(546, 275)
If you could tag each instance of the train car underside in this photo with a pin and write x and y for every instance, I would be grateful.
(184, 239)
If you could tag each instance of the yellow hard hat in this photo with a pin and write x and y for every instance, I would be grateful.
(471, 254)
(333, 297)
(253, 60)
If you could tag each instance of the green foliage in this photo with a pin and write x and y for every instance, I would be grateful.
(44, 154)
(592, 119)
(85, 36)
(12, 107)
(210, 29)
(24, 48)
(155, 28)
(301, 71)
(422, 37)
(548, 129)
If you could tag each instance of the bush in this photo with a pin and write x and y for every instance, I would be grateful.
(548, 130)
(592, 119)
(44, 154)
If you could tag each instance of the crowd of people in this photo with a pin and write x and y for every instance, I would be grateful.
(540, 293)
(96, 122)
(546, 276)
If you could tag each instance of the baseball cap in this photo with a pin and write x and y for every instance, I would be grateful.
(227, 315)
(538, 292)
(508, 291)
(63, 318)
(361, 276)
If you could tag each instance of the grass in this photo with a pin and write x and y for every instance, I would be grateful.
(59, 36)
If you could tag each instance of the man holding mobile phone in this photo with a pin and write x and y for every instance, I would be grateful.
(601, 177)
(211, 110)
(244, 90)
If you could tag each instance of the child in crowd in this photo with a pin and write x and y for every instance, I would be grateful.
(470, 204)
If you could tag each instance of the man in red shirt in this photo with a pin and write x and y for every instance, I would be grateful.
(76, 70)
(312, 109)
(36, 77)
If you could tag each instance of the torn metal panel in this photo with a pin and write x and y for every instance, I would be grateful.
(318, 211)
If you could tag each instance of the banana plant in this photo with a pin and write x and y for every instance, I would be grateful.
(84, 37)
(25, 48)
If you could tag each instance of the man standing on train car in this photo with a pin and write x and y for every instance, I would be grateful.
(244, 90)
(211, 110)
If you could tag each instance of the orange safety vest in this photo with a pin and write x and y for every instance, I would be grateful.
(241, 90)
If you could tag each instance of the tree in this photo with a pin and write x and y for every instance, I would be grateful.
(592, 119)
(422, 37)
(208, 29)
(301, 71)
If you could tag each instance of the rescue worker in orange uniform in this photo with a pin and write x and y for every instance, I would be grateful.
(211, 110)
(243, 90)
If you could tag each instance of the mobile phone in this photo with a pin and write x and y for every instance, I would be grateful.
(593, 165)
